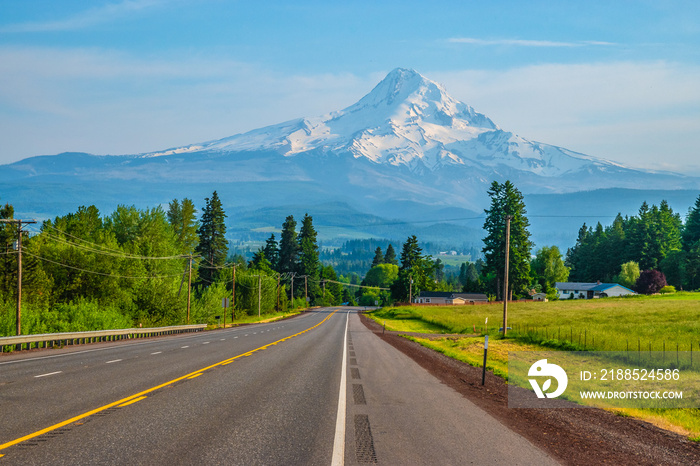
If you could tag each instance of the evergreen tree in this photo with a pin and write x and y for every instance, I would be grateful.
(272, 252)
(308, 261)
(259, 262)
(212, 246)
(439, 270)
(390, 255)
(462, 278)
(289, 247)
(507, 200)
(691, 230)
(378, 257)
(414, 273)
(8, 263)
(472, 279)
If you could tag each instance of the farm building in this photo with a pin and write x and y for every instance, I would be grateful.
(449, 297)
(567, 290)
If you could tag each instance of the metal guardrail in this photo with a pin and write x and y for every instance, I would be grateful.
(50, 340)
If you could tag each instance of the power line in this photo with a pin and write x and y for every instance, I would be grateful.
(98, 273)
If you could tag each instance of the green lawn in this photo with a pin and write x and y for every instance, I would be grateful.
(611, 324)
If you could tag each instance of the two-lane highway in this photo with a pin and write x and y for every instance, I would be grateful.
(260, 394)
(263, 394)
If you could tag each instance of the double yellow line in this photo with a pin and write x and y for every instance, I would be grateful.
(142, 395)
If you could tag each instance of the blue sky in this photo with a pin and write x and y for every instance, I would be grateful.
(614, 79)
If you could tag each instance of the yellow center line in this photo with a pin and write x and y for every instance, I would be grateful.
(132, 401)
(139, 396)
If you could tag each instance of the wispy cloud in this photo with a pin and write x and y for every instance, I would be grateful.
(638, 113)
(84, 19)
(524, 42)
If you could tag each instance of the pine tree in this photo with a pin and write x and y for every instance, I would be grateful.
(390, 255)
(272, 252)
(309, 262)
(414, 273)
(288, 247)
(691, 230)
(212, 246)
(507, 200)
(378, 257)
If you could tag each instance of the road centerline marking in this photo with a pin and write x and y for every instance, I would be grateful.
(132, 401)
(137, 396)
(113, 360)
(46, 375)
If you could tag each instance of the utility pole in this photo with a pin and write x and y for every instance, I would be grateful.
(292, 295)
(233, 295)
(189, 289)
(306, 291)
(259, 293)
(410, 291)
(278, 293)
(505, 276)
(19, 268)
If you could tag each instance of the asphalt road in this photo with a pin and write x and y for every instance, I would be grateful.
(262, 394)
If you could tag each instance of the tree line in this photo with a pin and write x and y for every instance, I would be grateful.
(649, 252)
(85, 270)
(654, 243)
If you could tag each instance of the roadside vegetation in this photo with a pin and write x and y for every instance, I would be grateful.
(153, 267)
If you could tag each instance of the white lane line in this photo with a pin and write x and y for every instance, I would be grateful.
(183, 347)
(157, 352)
(114, 360)
(46, 375)
(205, 343)
(339, 443)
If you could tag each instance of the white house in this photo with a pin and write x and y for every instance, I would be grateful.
(591, 290)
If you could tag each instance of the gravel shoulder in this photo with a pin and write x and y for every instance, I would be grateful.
(573, 436)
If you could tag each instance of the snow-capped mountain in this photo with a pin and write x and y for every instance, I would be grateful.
(406, 120)
(407, 150)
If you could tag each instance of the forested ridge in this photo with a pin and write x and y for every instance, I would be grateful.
(151, 267)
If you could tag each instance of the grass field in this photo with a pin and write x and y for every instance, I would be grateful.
(654, 323)
(612, 324)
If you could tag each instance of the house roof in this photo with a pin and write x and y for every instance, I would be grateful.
(579, 286)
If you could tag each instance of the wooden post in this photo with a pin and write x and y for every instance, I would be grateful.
(233, 295)
(19, 269)
(19, 278)
(259, 293)
(189, 289)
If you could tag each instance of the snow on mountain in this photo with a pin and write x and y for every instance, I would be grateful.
(407, 120)
(406, 150)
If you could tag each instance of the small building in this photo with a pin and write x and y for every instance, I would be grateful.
(576, 290)
(449, 297)
(539, 297)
